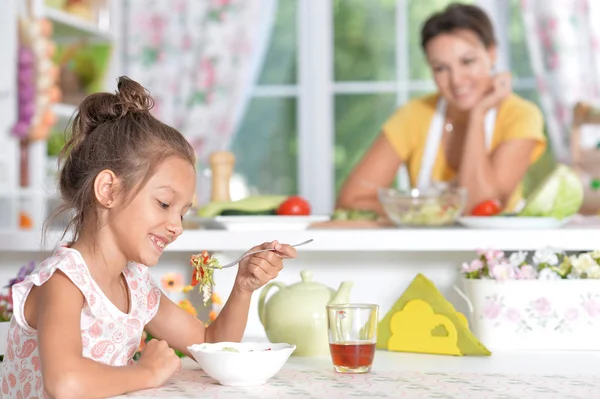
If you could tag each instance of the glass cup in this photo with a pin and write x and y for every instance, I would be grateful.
(352, 336)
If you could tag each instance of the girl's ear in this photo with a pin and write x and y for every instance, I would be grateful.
(105, 188)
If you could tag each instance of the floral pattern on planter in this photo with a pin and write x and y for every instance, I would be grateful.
(540, 314)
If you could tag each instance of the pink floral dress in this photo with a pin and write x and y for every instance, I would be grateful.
(108, 335)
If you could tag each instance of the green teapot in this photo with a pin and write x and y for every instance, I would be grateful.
(296, 314)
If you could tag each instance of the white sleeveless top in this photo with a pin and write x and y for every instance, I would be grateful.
(108, 335)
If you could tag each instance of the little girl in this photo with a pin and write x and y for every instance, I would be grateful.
(128, 179)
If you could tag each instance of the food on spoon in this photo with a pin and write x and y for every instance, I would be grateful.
(487, 208)
(204, 266)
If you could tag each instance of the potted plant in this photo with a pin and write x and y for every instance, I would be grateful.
(547, 301)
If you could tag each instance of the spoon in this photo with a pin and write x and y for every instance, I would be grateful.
(235, 262)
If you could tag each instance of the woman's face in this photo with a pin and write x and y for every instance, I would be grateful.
(461, 67)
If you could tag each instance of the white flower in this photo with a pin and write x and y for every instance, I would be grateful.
(503, 271)
(593, 271)
(545, 255)
(582, 263)
(517, 258)
(548, 274)
(596, 254)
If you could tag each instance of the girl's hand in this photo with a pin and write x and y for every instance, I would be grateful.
(500, 90)
(160, 361)
(257, 270)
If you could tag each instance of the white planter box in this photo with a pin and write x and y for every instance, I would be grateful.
(535, 314)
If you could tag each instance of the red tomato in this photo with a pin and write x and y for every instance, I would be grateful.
(195, 281)
(487, 208)
(294, 206)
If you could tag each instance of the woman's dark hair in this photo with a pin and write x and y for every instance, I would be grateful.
(115, 132)
(459, 16)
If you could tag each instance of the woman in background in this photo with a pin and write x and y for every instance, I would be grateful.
(474, 132)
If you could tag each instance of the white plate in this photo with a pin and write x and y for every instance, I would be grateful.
(255, 223)
(511, 222)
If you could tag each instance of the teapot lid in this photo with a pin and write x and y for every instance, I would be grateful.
(307, 282)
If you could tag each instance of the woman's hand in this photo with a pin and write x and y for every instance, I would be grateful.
(500, 90)
(257, 270)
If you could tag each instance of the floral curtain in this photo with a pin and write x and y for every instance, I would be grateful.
(199, 59)
(563, 38)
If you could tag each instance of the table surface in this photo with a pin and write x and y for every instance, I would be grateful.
(403, 375)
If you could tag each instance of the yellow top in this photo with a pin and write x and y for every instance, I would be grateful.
(408, 127)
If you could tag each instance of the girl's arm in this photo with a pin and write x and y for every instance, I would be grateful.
(66, 373)
(180, 329)
(377, 168)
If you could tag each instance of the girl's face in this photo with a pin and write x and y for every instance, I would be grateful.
(153, 219)
(461, 67)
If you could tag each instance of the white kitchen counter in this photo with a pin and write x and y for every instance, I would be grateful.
(380, 262)
(329, 240)
(399, 375)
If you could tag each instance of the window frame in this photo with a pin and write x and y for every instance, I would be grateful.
(316, 90)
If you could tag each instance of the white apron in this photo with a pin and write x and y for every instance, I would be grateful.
(434, 138)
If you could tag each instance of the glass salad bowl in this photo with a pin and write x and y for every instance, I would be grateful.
(429, 207)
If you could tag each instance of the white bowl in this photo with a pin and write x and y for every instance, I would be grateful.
(252, 364)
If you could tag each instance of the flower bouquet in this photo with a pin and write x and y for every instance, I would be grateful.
(545, 300)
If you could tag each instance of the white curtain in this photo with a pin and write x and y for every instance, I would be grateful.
(200, 60)
(563, 38)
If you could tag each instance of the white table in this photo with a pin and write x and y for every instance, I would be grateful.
(402, 375)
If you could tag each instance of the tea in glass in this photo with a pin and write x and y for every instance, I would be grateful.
(352, 336)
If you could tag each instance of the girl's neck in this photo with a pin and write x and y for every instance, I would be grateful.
(102, 257)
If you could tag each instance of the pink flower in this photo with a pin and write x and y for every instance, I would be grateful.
(513, 315)
(592, 308)
(492, 309)
(526, 272)
(571, 314)
(542, 306)
(474, 266)
(502, 271)
(491, 255)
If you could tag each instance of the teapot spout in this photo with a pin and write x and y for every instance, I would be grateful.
(343, 293)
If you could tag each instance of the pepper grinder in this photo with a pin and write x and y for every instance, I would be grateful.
(221, 165)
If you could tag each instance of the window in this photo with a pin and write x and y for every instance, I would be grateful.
(334, 72)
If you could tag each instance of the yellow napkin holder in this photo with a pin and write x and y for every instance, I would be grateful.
(423, 321)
